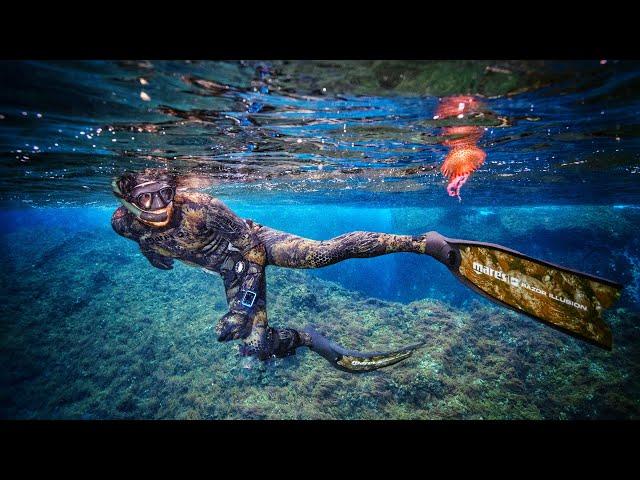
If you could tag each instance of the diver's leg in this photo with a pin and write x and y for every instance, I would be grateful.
(286, 250)
(245, 285)
(265, 342)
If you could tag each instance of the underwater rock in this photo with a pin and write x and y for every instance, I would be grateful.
(146, 349)
(100, 279)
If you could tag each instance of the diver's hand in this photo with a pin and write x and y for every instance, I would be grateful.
(158, 261)
(163, 263)
(233, 326)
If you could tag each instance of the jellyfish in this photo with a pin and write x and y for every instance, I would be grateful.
(459, 164)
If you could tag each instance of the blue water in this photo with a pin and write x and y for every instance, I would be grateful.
(560, 182)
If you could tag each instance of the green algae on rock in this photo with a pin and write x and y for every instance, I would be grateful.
(99, 343)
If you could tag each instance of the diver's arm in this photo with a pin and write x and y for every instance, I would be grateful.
(121, 224)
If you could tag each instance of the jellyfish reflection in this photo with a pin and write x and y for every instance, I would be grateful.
(464, 156)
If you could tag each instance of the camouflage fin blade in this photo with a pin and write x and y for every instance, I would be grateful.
(352, 360)
(366, 362)
(566, 299)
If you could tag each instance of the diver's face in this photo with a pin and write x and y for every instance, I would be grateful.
(155, 199)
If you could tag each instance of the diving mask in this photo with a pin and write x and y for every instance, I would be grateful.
(150, 201)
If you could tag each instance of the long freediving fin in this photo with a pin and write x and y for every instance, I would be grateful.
(566, 299)
(354, 361)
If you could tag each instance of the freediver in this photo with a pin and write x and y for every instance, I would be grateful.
(171, 223)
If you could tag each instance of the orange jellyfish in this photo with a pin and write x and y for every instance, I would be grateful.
(464, 156)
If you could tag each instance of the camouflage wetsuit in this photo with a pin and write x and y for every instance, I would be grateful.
(206, 233)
